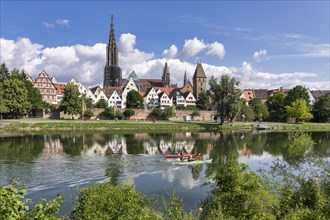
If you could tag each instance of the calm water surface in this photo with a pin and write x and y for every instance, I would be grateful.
(63, 163)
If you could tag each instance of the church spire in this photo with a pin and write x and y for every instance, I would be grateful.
(185, 78)
(112, 72)
(112, 50)
(166, 76)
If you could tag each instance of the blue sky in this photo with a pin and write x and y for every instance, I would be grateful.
(263, 44)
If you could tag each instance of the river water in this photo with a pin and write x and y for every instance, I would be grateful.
(49, 164)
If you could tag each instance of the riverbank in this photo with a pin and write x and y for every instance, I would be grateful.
(38, 125)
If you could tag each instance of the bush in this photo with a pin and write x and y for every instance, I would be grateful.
(88, 113)
(129, 112)
(104, 201)
(13, 205)
(101, 104)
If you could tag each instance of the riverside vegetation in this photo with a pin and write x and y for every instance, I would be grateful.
(237, 193)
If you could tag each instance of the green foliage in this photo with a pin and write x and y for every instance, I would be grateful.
(104, 201)
(3, 107)
(71, 101)
(88, 102)
(109, 112)
(259, 109)
(101, 103)
(276, 106)
(4, 72)
(298, 92)
(321, 109)
(246, 113)
(88, 113)
(134, 99)
(238, 194)
(225, 97)
(15, 99)
(173, 209)
(195, 113)
(34, 96)
(162, 113)
(203, 102)
(299, 110)
(13, 205)
(128, 112)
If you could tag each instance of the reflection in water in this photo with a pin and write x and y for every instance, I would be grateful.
(49, 164)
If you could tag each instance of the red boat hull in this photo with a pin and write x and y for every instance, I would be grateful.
(176, 156)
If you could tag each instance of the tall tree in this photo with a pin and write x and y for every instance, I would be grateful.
(246, 112)
(34, 96)
(71, 101)
(3, 107)
(15, 98)
(298, 92)
(321, 109)
(134, 99)
(299, 110)
(225, 97)
(203, 102)
(276, 106)
(4, 72)
(259, 108)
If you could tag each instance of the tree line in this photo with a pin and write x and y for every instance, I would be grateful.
(18, 97)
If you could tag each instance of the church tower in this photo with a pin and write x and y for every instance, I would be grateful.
(199, 81)
(112, 72)
(166, 76)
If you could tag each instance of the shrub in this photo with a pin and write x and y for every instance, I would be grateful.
(128, 112)
(104, 201)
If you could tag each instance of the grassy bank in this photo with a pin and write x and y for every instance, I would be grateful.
(109, 125)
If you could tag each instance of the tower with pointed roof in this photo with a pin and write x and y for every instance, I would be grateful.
(166, 76)
(112, 72)
(199, 81)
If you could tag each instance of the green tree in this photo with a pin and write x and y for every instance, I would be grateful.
(238, 194)
(203, 102)
(3, 107)
(246, 112)
(71, 101)
(134, 99)
(321, 109)
(259, 108)
(101, 103)
(299, 110)
(4, 72)
(128, 112)
(276, 106)
(15, 99)
(15, 206)
(298, 92)
(104, 201)
(225, 97)
(34, 96)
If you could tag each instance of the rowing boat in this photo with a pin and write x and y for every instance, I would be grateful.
(175, 156)
(194, 162)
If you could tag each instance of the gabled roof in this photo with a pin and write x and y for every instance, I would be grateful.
(187, 87)
(134, 77)
(167, 90)
(199, 72)
(317, 93)
(260, 93)
(248, 94)
(175, 93)
(93, 89)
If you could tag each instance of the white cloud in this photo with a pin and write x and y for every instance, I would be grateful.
(86, 65)
(216, 49)
(192, 47)
(260, 55)
(63, 22)
(171, 53)
(47, 25)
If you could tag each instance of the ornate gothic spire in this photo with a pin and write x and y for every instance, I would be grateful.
(112, 50)
(185, 78)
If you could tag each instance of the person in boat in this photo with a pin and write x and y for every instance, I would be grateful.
(198, 156)
(182, 156)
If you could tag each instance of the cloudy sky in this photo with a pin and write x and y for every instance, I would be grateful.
(263, 44)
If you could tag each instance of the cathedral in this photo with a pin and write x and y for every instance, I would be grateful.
(113, 80)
